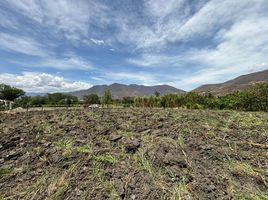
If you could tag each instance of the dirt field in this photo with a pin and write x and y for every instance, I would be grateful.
(134, 154)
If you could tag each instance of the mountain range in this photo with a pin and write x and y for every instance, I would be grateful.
(119, 91)
(237, 84)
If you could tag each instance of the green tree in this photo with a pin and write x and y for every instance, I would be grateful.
(91, 99)
(61, 99)
(127, 101)
(107, 98)
(10, 93)
(157, 94)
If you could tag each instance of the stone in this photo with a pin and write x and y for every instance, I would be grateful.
(115, 138)
(132, 145)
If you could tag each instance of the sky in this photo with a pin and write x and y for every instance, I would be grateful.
(66, 45)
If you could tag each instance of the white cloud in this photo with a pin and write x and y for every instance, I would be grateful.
(180, 21)
(97, 42)
(44, 56)
(69, 62)
(141, 77)
(42, 82)
(73, 19)
(162, 8)
(19, 44)
(156, 60)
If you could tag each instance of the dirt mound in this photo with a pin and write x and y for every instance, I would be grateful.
(133, 154)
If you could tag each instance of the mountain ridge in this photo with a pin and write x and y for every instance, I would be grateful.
(119, 91)
(236, 84)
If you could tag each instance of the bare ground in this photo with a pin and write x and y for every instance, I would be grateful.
(134, 154)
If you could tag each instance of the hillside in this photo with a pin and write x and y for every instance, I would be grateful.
(119, 91)
(236, 84)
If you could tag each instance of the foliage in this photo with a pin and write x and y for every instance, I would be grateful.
(50, 99)
(10, 93)
(127, 101)
(61, 99)
(254, 98)
(107, 98)
(91, 99)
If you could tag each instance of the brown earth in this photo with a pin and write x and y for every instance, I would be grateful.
(134, 154)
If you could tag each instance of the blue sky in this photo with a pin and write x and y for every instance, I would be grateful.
(66, 45)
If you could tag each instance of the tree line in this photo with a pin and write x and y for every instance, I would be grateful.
(255, 98)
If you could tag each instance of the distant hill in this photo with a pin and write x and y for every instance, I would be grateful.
(239, 83)
(119, 91)
(33, 94)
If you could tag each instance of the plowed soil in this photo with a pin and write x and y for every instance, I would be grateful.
(134, 154)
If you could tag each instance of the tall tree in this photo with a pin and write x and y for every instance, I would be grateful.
(10, 93)
(107, 98)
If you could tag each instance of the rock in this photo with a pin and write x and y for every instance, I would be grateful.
(115, 138)
(55, 158)
(13, 155)
(171, 159)
(207, 147)
(211, 188)
(132, 145)
(146, 131)
(47, 144)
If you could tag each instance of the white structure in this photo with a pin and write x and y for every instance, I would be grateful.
(7, 104)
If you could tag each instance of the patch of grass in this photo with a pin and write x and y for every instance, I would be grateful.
(180, 191)
(98, 170)
(37, 187)
(59, 185)
(67, 147)
(251, 196)
(110, 186)
(105, 158)
(235, 165)
(46, 126)
(4, 172)
(140, 158)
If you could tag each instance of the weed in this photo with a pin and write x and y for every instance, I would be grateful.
(98, 170)
(140, 158)
(235, 165)
(46, 126)
(106, 158)
(109, 185)
(180, 140)
(67, 147)
(180, 191)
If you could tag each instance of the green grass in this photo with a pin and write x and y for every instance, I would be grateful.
(46, 126)
(145, 164)
(105, 158)
(67, 147)
(235, 165)
(180, 191)
(4, 172)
